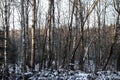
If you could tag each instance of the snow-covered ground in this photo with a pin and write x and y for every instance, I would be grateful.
(62, 74)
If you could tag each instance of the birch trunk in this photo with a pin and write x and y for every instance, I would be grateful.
(32, 63)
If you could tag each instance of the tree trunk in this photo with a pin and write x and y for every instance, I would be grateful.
(32, 63)
(23, 35)
(5, 39)
(118, 61)
(115, 46)
(50, 33)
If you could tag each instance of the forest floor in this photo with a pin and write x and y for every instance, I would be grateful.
(62, 74)
(73, 75)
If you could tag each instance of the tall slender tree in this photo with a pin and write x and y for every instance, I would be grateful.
(5, 38)
(50, 33)
(23, 34)
(83, 19)
(32, 62)
(115, 48)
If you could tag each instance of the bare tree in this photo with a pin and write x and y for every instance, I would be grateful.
(115, 48)
(50, 33)
(32, 62)
(81, 38)
(23, 34)
(5, 38)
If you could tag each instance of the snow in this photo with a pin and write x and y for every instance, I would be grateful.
(108, 75)
(62, 74)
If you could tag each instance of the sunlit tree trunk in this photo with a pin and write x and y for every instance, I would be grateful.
(32, 62)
